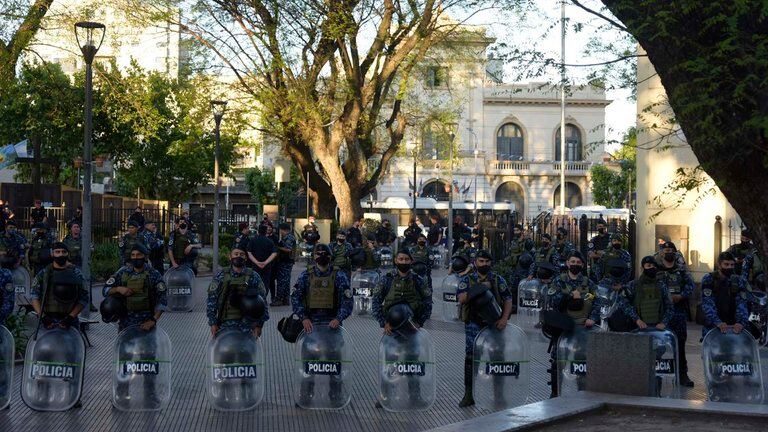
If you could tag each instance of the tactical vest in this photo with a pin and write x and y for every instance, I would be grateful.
(321, 293)
(610, 253)
(757, 267)
(370, 261)
(648, 301)
(128, 242)
(52, 305)
(402, 290)
(38, 245)
(75, 249)
(180, 242)
(516, 249)
(340, 259)
(579, 316)
(542, 256)
(420, 254)
(724, 292)
(491, 283)
(232, 286)
(140, 299)
(674, 280)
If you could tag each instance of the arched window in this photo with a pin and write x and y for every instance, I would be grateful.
(572, 195)
(436, 189)
(512, 192)
(573, 144)
(510, 143)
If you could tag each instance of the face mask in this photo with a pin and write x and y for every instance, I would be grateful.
(669, 257)
(616, 245)
(403, 268)
(137, 262)
(575, 269)
(545, 244)
(543, 274)
(559, 237)
(422, 243)
(483, 269)
(340, 240)
(745, 243)
(238, 261)
(726, 272)
(601, 230)
(323, 260)
(651, 272)
(60, 260)
(617, 272)
(182, 226)
(40, 234)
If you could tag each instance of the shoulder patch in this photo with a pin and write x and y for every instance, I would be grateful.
(161, 287)
(348, 293)
(9, 287)
(706, 292)
(213, 287)
(743, 294)
(552, 291)
(110, 281)
(590, 245)
(120, 243)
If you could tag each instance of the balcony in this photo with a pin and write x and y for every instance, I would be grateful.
(523, 167)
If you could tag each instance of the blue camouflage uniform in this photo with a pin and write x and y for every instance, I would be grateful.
(40, 284)
(151, 240)
(342, 291)
(471, 328)
(284, 267)
(719, 305)
(215, 302)
(626, 302)
(612, 253)
(560, 292)
(7, 294)
(13, 245)
(126, 243)
(241, 241)
(411, 288)
(543, 254)
(157, 293)
(679, 282)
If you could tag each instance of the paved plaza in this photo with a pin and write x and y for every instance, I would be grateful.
(190, 411)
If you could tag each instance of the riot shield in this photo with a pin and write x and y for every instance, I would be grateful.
(732, 367)
(436, 257)
(323, 368)
(180, 281)
(449, 301)
(142, 371)
(236, 375)
(386, 257)
(758, 316)
(572, 360)
(363, 284)
(406, 371)
(502, 368)
(609, 304)
(667, 361)
(529, 304)
(53, 370)
(7, 354)
(21, 285)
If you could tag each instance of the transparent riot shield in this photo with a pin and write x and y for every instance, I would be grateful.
(180, 281)
(502, 368)
(667, 361)
(54, 365)
(236, 374)
(142, 371)
(21, 285)
(436, 257)
(732, 367)
(363, 284)
(323, 368)
(406, 371)
(7, 354)
(758, 316)
(572, 360)
(450, 304)
(529, 304)
(386, 257)
(609, 303)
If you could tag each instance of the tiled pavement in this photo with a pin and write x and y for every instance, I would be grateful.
(189, 410)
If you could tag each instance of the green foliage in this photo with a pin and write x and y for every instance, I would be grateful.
(224, 252)
(226, 238)
(16, 324)
(262, 186)
(610, 187)
(106, 260)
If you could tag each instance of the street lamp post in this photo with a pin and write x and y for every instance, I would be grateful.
(414, 183)
(218, 107)
(450, 194)
(89, 36)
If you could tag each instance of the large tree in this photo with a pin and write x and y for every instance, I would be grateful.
(329, 79)
(19, 21)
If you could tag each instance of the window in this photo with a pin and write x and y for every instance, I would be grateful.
(437, 189)
(510, 143)
(434, 142)
(573, 146)
(437, 77)
(511, 192)
(572, 196)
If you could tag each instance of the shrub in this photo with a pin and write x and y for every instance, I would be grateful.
(105, 261)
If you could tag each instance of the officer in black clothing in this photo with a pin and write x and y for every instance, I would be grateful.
(459, 230)
(261, 253)
(137, 216)
(38, 213)
(77, 218)
(384, 234)
(412, 233)
(354, 235)
(435, 233)
(477, 236)
(597, 246)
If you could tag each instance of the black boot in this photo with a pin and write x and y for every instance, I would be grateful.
(467, 400)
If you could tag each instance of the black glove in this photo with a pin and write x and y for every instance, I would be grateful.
(69, 321)
(575, 304)
(47, 321)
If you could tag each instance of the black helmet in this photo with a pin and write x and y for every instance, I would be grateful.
(357, 257)
(484, 304)
(459, 263)
(525, 261)
(419, 268)
(528, 245)
(253, 306)
(193, 253)
(290, 328)
(113, 308)
(398, 315)
(322, 247)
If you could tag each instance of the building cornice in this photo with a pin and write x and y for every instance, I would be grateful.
(593, 103)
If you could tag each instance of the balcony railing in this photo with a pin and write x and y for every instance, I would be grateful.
(535, 167)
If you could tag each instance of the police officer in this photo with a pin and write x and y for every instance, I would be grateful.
(596, 248)
(741, 250)
(57, 293)
(12, 246)
(411, 233)
(183, 246)
(384, 233)
(371, 261)
(612, 286)
(402, 286)
(262, 252)
(563, 247)
(354, 235)
(142, 288)
(39, 248)
(322, 295)
(435, 232)
(155, 244)
(422, 265)
(74, 242)
(471, 287)
(340, 253)
(724, 297)
(77, 218)
(243, 237)
(516, 245)
(285, 247)
(748, 261)
(226, 292)
(545, 253)
(646, 299)
(128, 240)
(310, 235)
(7, 295)
(574, 293)
(680, 286)
(614, 252)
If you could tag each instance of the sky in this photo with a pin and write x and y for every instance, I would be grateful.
(531, 32)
